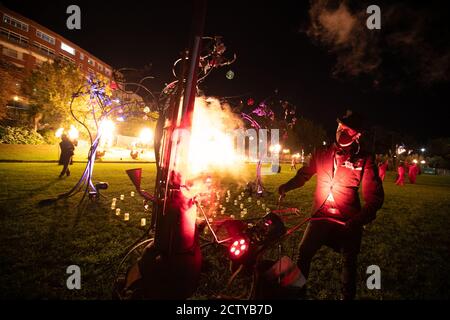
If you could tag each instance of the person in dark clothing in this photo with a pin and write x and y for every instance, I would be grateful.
(341, 169)
(67, 151)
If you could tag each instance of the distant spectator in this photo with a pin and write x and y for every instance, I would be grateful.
(293, 164)
(401, 175)
(413, 170)
(382, 169)
(67, 152)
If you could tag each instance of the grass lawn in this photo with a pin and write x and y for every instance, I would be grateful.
(50, 152)
(409, 240)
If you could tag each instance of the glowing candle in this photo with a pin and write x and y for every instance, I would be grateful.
(239, 198)
(235, 202)
(263, 206)
(122, 197)
(258, 202)
(250, 199)
(114, 200)
(232, 216)
(113, 206)
(241, 206)
(117, 211)
(143, 222)
(132, 193)
(126, 216)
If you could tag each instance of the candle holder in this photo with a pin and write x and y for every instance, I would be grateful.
(122, 197)
(118, 212)
(143, 222)
(132, 193)
(126, 217)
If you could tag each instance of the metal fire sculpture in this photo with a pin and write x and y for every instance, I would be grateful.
(100, 108)
(169, 266)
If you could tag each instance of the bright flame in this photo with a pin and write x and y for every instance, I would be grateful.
(212, 142)
(415, 161)
(106, 131)
(59, 132)
(16, 98)
(73, 132)
(286, 151)
(276, 148)
(146, 136)
(423, 162)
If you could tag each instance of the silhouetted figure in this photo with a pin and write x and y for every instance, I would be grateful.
(67, 151)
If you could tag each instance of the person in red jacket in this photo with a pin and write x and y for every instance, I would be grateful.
(382, 169)
(413, 170)
(341, 169)
(401, 175)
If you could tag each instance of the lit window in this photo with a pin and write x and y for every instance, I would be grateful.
(66, 58)
(67, 48)
(45, 37)
(44, 49)
(15, 23)
(81, 56)
(12, 36)
(91, 62)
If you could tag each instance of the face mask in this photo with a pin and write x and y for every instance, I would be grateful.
(343, 138)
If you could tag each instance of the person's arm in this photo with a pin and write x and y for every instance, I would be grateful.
(303, 175)
(373, 194)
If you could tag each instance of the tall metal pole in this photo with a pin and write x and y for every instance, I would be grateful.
(171, 267)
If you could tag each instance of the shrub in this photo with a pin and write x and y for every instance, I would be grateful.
(49, 136)
(19, 135)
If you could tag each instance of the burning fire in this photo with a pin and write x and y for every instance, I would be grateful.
(211, 149)
(212, 144)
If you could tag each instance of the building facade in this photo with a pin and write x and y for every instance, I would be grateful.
(27, 44)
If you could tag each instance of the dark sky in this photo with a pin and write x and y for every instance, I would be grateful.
(274, 52)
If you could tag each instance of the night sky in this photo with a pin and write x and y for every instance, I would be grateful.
(406, 91)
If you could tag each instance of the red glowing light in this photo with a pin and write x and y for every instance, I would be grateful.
(238, 248)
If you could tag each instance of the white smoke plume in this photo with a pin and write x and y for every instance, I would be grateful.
(404, 50)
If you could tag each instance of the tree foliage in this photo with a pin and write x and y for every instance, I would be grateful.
(310, 135)
(50, 89)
